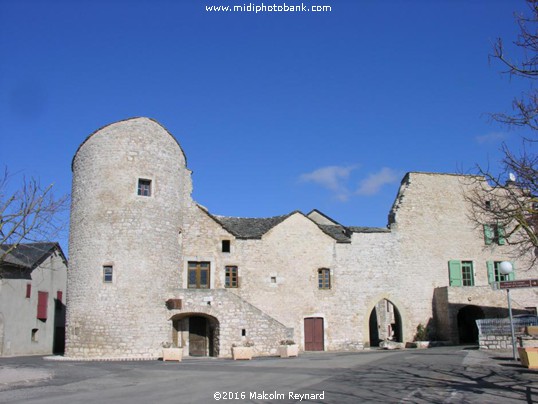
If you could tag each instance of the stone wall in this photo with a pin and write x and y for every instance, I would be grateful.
(149, 241)
(137, 235)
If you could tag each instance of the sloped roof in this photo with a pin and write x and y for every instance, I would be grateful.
(30, 255)
(338, 232)
(249, 227)
(358, 229)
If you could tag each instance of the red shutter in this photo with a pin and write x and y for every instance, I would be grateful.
(28, 290)
(59, 295)
(42, 302)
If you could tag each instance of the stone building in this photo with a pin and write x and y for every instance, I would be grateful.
(150, 265)
(33, 280)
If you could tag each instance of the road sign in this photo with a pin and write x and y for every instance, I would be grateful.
(522, 283)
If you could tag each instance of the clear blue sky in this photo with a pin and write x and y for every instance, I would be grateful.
(275, 111)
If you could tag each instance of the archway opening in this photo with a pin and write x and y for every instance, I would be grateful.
(197, 333)
(385, 323)
(467, 329)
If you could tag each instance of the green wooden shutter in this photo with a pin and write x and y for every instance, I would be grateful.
(512, 275)
(454, 272)
(501, 235)
(491, 271)
(488, 234)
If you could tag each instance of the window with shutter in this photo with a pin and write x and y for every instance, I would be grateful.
(488, 234)
(461, 273)
(42, 302)
(454, 273)
(495, 275)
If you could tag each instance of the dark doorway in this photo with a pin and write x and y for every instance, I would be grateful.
(313, 334)
(467, 329)
(374, 328)
(198, 336)
(385, 323)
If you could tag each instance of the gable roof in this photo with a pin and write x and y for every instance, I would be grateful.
(249, 227)
(29, 255)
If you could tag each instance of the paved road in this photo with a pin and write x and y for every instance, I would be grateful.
(438, 375)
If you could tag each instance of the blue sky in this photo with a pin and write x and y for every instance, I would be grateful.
(275, 111)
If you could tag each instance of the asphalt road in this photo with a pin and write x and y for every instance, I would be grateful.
(437, 375)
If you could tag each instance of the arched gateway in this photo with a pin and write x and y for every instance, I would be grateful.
(197, 333)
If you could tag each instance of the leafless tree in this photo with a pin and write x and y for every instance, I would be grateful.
(509, 201)
(526, 107)
(29, 213)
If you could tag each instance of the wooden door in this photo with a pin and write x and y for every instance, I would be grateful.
(313, 334)
(198, 336)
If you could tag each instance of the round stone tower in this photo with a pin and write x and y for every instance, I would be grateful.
(130, 190)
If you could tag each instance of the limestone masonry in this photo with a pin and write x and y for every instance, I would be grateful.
(149, 265)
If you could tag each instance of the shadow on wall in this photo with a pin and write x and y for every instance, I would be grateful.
(456, 322)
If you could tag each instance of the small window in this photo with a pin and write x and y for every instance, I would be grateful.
(144, 187)
(324, 278)
(35, 335)
(108, 271)
(231, 278)
(488, 205)
(28, 290)
(494, 233)
(273, 279)
(226, 246)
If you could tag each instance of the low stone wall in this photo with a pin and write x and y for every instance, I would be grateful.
(495, 341)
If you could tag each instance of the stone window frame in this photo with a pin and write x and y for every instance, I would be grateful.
(324, 279)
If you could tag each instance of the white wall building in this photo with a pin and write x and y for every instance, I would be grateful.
(33, 280)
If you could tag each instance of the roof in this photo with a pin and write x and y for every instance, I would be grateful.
(358, 229)
(29, 255)
(248, 227)
(255, 228)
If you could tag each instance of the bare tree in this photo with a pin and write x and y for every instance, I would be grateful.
(507, 203)
(30, 213)
(526, 107)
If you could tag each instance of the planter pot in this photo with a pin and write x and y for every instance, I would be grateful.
(172, 354)
(286, 351)
(529, 357)
(531, 330)
(242, 352)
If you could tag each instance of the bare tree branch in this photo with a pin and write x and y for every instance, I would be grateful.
(29, 213)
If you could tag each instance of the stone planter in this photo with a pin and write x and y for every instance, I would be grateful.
(529, 357)
(172, 354)
(286, 351)
(242, 353)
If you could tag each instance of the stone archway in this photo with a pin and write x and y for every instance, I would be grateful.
(467, 329)
(385, 323)
(197, 333)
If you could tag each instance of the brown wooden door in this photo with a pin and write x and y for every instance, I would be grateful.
(198, 336)
(313, 334)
